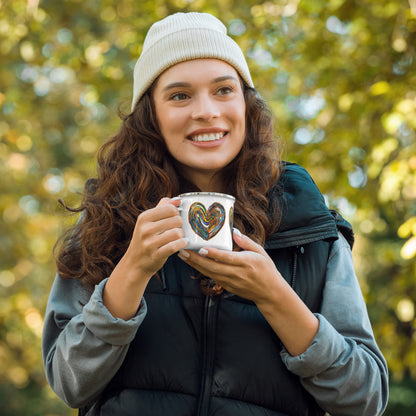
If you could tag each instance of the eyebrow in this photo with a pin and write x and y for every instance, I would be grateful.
(176, 85)
(188, 85)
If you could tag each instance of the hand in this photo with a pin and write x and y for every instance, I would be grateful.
(252, 274)
(249, 273)
(157, 235)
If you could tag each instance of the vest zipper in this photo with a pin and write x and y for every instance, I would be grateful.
(208, 344)
(163, 279)
(298, 250)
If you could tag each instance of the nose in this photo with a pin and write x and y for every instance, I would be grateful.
(205, 108)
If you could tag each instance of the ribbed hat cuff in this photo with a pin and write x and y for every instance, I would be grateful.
(184, 45)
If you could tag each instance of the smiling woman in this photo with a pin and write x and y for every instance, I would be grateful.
(276, 327)
(202, 120)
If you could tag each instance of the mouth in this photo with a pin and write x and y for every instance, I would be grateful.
(211, 137)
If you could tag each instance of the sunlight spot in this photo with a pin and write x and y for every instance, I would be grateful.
(53, 183)
(236, 27)
(24, 143)
(34, 321)
(27, 51)
(7, 278)
(357, 178)
(42, 86)
(405, 310)
(64, 35)
(408, 250)
(334, 25)
(18, 376)
(29, 204)
(18, 162)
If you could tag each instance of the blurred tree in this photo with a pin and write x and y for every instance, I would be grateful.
(340, 77)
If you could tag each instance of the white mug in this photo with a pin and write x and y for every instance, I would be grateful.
(207, 219)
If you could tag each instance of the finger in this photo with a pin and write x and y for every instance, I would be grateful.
(172, 201)
(169, 236)
(160, 226)
(170, 206)
(246, 243)
(161, 211)
(173, 247)
(235, 258)
(208, 266)
(163, 245)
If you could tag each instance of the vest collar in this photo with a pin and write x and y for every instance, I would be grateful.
(305, 216)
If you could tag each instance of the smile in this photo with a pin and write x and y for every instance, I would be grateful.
(207, 137)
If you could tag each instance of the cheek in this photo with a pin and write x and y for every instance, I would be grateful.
(167, 127)
(240, 117)
(240, 111)
(171, 122)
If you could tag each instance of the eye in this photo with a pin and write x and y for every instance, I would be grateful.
(179, 96)
(224, 90)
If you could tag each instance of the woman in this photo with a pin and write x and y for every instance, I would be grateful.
(276, 327)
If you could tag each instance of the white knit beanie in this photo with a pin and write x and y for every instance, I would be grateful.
(182, 37)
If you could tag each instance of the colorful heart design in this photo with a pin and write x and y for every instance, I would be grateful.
(205, 223)
(231, 217)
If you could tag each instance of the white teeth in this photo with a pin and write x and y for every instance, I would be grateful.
(207, 137)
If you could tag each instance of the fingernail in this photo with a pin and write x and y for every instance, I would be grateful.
(183, 255)
(237, 232)
(203, 252)
(176, 198)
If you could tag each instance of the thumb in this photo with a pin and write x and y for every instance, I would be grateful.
(246, 243)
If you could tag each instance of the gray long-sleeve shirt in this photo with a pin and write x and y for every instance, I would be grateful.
(84, 345)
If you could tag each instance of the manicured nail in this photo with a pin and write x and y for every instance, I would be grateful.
(237, 232)
(203, 252)
(183, 255)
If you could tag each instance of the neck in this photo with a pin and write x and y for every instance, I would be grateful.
(205, 181)
(205, 184)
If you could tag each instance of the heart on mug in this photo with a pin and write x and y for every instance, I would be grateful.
(205, 223)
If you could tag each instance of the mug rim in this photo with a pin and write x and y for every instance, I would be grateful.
(218, 194)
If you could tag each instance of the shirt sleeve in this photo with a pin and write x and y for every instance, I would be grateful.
(83, 345)
(343, 369)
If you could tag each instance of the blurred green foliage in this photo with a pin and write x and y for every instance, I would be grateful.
(340, 77)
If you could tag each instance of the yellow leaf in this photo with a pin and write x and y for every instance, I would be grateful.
(407, 228)
(379, 88)
(392, 121)
(408, 250)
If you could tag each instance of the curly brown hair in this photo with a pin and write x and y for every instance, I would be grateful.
(135, 170)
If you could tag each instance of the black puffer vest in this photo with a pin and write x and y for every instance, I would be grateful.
(200, 356)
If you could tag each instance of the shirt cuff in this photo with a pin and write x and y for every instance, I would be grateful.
(324, 350)
(103, 325)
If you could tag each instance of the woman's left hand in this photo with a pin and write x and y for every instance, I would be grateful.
(249, 273)
(252, 274)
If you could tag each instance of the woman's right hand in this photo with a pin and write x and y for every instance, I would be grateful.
(156, 236)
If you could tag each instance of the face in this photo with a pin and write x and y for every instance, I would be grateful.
(200, 109)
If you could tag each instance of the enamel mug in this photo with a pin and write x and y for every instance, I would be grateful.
(207, 219)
